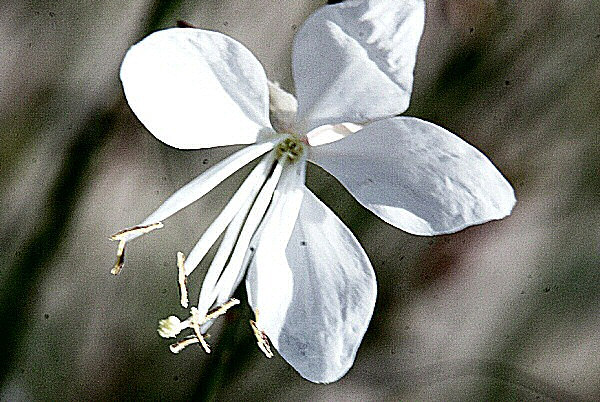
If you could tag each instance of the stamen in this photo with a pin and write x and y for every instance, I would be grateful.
(124, 236)
(182, 279)
(220, 310)
(261, 339)
(182, 344)
(224, 287)
(195, 325)
(120, 258)
(208, 180)
(135, 231)
(242, 197)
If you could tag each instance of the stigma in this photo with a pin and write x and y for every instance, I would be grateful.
(171, 326)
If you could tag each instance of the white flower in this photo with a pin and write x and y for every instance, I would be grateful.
(308, 279)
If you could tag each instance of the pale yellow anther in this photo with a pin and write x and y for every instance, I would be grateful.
(182, 279)
(261, 338)
(120, 258)
(170, 327)
(126, 234)
(204, 344)
(182, 344)
(187, 341)
(194, 323)
(220, 310)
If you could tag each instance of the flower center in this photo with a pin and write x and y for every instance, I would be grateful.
(291, 148)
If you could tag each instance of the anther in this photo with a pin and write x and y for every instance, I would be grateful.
(182, 279)
(127, 234)
(182, 344)
(187, 341)
(120, 258)
(261, 340)
(220, 310)
(195, 325)
(135, 231)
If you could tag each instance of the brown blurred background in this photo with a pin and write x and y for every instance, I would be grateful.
(509, 310)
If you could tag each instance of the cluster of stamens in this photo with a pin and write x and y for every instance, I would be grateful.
(240, 221)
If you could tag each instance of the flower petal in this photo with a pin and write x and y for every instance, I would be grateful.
(354, 61)
(418, 176)
(283, 107)
(329, 133)
(196, 89)
(315, 300)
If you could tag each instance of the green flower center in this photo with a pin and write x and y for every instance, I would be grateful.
(291, 148)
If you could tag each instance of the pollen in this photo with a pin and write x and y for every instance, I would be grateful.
(291, 148)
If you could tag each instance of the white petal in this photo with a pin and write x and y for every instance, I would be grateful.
(208, 180)
(354, 61)
(329, 133)
(315, 300)
(196, 89)
(283, 107)
(418, 176)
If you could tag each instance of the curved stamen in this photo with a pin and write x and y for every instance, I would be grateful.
(283, 209)
(189, 193)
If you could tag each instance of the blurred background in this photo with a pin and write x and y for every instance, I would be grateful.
(509, 310)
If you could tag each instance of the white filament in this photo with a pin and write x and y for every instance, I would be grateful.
(208, 180)
(256, 215)
(209, 291)
(247, 191)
